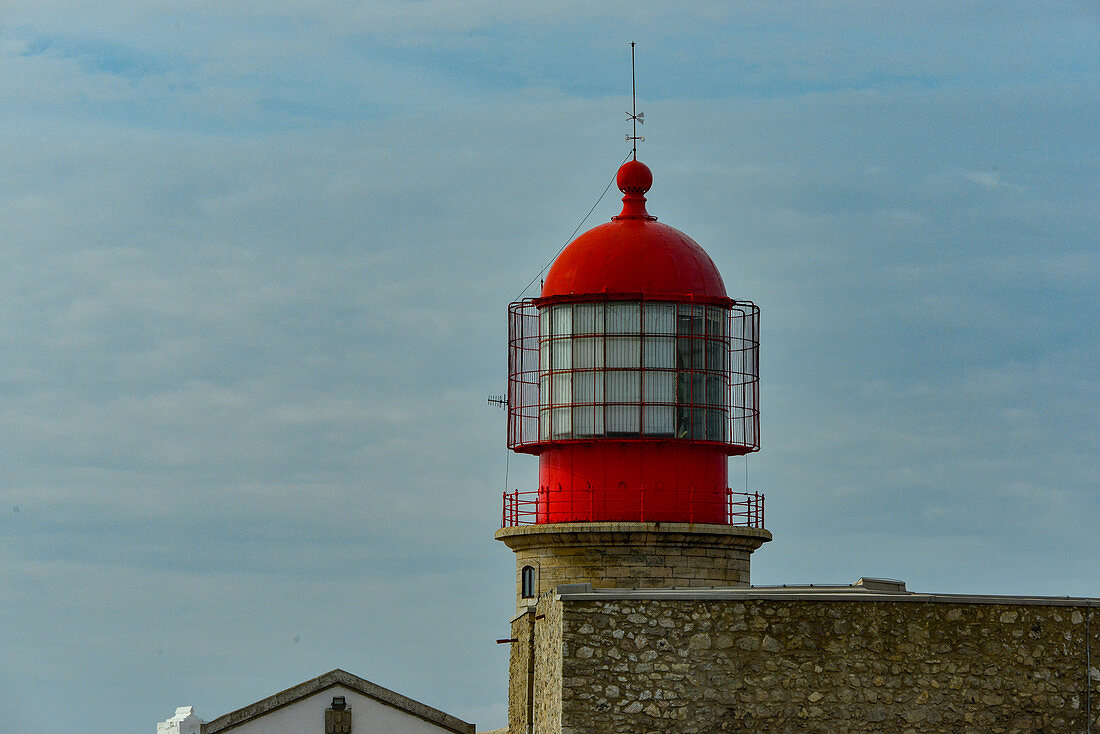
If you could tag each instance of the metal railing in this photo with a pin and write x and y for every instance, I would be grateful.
(742, 509)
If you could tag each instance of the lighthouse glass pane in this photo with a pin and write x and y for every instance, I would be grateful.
(588, 318)
(716, 321)
(659, 387)
(562, 320)
(660, 318)
(623, 352)
(716, 425)
(561, 424)
(583, 388)
(659, 397)
(690, 321)
(588, 352)
(624, 318)
(588, 411)
(659, 420)
(659, 352)
(717, 353)
(561, 392)
(690, 353)
(561, 354)
(717, 406)
(623, 390)
(716, 390)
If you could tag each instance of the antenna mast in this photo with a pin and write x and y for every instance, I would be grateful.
(634, 116)
(633, 101)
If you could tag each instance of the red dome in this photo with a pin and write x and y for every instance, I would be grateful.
(634, 254)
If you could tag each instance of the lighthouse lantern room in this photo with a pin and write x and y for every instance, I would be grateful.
(633, 376)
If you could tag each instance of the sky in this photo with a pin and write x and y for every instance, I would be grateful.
(255, 262)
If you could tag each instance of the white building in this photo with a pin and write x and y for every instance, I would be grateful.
(334, 703)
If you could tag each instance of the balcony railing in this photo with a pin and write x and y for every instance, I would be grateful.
(743, 509)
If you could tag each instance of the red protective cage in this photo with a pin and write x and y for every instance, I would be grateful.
(633, 369)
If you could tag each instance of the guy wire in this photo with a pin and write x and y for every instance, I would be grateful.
(577, 229)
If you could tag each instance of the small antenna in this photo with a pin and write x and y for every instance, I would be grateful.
(498, 400)
(634, 116)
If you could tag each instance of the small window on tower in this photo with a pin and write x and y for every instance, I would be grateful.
(527, 582)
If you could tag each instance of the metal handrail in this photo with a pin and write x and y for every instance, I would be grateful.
(743, 509)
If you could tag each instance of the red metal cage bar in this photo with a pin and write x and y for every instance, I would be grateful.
(560, 383)
(743, 509)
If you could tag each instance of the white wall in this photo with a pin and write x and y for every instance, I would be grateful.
(307, 716)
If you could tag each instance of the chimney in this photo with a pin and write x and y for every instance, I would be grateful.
(338, 717)
(183, 721)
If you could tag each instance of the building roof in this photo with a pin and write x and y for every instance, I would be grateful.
(865, 589)
(328, 680)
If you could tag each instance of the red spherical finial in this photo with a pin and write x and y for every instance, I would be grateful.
(634, 179)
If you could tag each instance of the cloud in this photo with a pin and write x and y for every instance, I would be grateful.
(254, 264)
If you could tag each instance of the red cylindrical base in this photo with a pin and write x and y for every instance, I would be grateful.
(633, 481)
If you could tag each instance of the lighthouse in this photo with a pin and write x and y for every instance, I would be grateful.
(633, 377)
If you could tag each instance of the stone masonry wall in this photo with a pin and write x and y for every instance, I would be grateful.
(549, 685)
(519, 669)
(751, 665)
(610, 567)
(537, 697)
(633, 555)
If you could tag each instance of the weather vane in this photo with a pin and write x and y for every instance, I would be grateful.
(634, 116)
